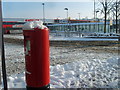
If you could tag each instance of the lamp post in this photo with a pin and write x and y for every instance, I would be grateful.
(96, 15)
(2, 50)
(67, 13)
(97, 19)
(67, 32)
(94, 10)
(43, 13)
(79, 15)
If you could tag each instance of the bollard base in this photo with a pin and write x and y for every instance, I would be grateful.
(47, 87)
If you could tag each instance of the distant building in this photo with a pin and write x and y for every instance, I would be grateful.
(47, 21)
(14, 19)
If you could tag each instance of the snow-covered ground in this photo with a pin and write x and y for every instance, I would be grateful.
(54, 36)
(14, 36)
(76, 36)
(84, 72)
(81, 39)
(73, 67)
(14, 58)
(78, 74)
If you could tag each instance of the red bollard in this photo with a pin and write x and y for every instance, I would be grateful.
(36, 47)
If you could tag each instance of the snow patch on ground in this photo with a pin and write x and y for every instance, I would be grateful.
(57, 38)
(14, 36)
(78, 74)
(84, 73)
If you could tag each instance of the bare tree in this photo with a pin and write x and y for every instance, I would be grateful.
(119, 16)
(119, 29)
(116, 12)
(106, 4)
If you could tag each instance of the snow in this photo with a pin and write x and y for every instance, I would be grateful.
(74, 36)
(53, 38)
(14, 55)
(33, 24)
(78, 74)
(84, 73)
(80, 39)
(14, 36)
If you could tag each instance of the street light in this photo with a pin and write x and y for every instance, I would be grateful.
(96, 14)
(79, 15)
(94, 10)
(43, 13)
(67, 12)
(67, 22)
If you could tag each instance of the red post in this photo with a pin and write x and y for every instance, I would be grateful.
(36, 47)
